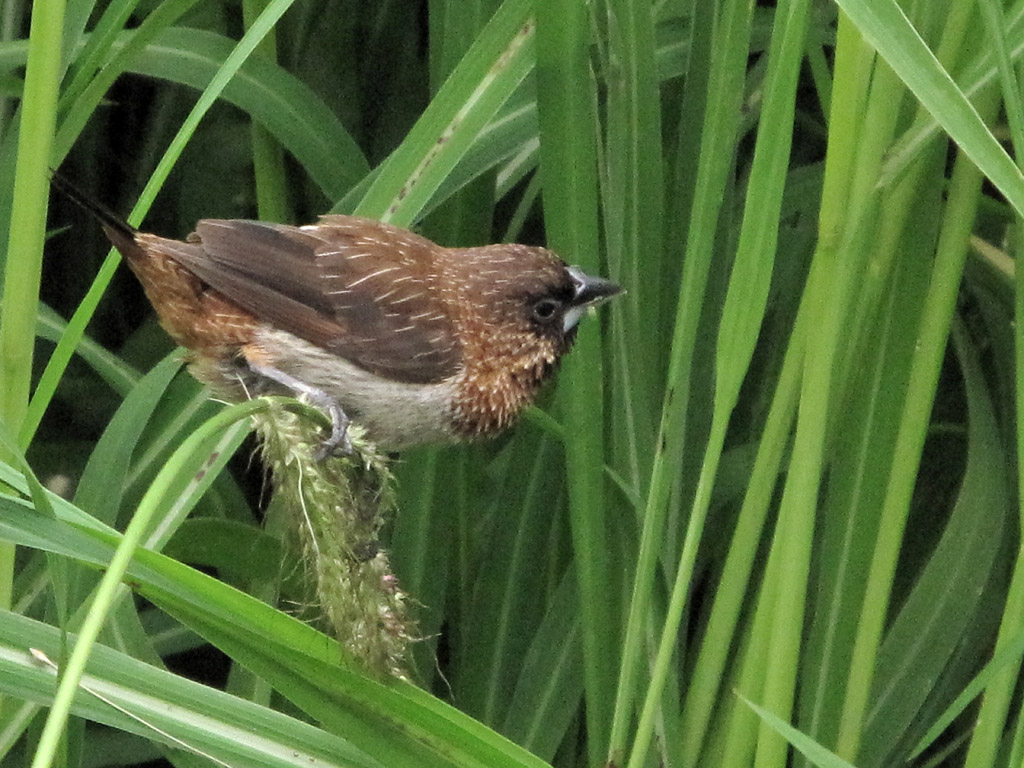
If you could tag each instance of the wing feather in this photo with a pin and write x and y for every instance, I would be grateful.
(356, 287)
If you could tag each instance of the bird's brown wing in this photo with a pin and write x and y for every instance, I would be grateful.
(355, 287)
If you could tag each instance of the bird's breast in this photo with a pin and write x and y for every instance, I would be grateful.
(490, 397)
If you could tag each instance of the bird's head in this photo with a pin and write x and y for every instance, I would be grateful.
(516, 311)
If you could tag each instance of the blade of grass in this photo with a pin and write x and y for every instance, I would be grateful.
(632, 203)
(931, 622)
(484, 79)
(875, 368)
(275, 98)
(927, 357)
(27, 234)
(833, 290)
(223, 726)
(100, 488)
(981, 73)
(505, 603)
(741, 319)
(1008, 657)
(718, 137)
(183, 463)
(888, 30)
(79, 102)
(550, 686)
(267, 156)
(815, 752)
(734, 740)
(118, 374)
(568, 157)
(393, 719)
(987, 738)
(709, 670)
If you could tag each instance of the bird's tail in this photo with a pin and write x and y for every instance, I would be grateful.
(121, 233)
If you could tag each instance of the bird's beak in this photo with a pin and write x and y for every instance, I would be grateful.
(590, 291)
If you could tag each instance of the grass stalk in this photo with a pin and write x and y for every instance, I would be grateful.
(927, 357)
(23, 264)
(568, 169)
(181, 464)
(718, 136)
(632, 198)
(267, 155)
(742, 315)
(31, 191)
(987, 738)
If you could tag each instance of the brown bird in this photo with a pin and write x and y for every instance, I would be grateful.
(415, 342)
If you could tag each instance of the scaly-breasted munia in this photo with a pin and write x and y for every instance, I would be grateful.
(415, 342)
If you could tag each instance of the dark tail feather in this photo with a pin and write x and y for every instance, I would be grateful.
(121, 233)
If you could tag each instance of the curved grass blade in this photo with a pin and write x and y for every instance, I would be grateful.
(188, 461)
(484, 79)
(397, 723)
(887, 29)
(76, 326)
(275, 98)
(118, 375)
(930, 625)
(807, 746)
(169, 708)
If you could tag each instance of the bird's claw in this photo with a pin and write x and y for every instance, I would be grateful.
(339, 443)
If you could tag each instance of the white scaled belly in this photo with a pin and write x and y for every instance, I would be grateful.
(395, 414)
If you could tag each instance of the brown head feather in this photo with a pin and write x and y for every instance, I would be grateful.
(508, 351)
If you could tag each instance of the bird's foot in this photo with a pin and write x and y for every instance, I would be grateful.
(338, 443)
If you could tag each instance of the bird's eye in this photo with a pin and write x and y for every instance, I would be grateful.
(545, 310)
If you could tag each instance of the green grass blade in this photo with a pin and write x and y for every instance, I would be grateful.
(888, 30)
(22, 264)
(187, 462)
(101, 485)
(85, 100)
(168, 708)
(28, 216)
(550, 687)
(76, 326)
(981, 73)
(504, 601)
(707, 679)
(565, 97)
(632, 198)
(389, 721)
(117, 374)
(815, 752)
(945, 598)
(483, 80)
(718, 136)
(293, 114)
(927, 356)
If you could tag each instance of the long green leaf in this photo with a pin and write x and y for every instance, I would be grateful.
(484, 79)
(393, 720)
(569, 157)
(884, 25)
(820, 756)
(167, 708)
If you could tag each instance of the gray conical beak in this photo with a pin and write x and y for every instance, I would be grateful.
(590, 291)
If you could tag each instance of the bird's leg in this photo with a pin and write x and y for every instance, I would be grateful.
(339, 441)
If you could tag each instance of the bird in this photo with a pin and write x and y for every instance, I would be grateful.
(376, 325)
